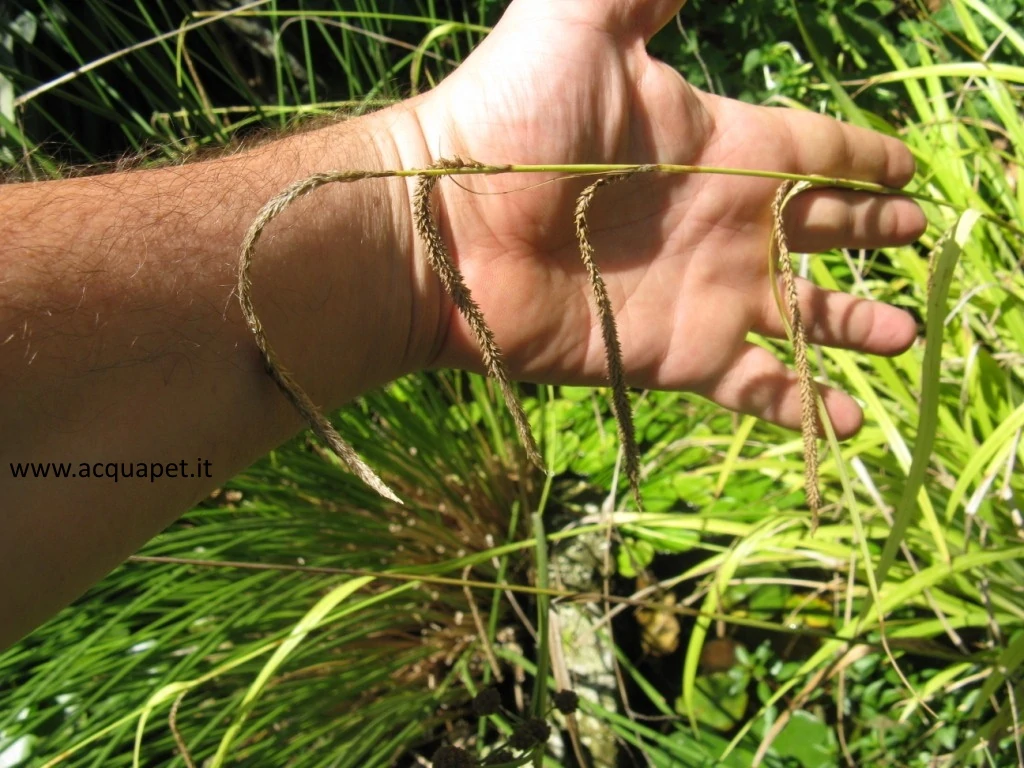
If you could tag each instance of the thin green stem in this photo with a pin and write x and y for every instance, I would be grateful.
(550, 437)
(543, 641)
(585, 169)
(492, 619)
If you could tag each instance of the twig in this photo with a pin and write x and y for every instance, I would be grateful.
(481, 631)
(172, 721)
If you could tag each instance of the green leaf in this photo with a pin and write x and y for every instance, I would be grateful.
(313, 619)
(808, 740)
(945, 263)
(719, 699)
(633, 556)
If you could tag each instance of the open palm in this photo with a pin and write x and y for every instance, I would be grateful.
(684, 257)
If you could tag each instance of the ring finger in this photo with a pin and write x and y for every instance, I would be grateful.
(837, 319)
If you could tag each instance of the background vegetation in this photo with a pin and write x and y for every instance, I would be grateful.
(295, 619)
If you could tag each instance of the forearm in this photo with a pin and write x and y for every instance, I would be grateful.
(121, 340)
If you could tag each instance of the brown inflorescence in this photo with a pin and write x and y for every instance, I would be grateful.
(455, 286)
(810, 423)
(610, 336)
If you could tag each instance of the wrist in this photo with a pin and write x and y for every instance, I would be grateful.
(335, 277)
(402, 144)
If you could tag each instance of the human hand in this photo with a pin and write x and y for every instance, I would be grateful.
(685, 258)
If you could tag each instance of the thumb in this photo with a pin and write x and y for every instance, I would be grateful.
(621, 18)
(640, 17)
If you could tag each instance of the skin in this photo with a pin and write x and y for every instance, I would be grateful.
(124, 341)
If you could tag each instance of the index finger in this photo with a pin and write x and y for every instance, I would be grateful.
(826, 147)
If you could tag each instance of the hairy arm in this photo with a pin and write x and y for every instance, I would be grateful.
(121, 340)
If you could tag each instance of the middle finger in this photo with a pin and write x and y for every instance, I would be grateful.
(820, 220)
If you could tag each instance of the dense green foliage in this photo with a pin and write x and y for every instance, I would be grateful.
(309, 667)
(236, 76)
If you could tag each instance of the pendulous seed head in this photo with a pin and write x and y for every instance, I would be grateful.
(487, 702)
(566, 702)
(499, 756)
(529, 734)
(453, 757)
